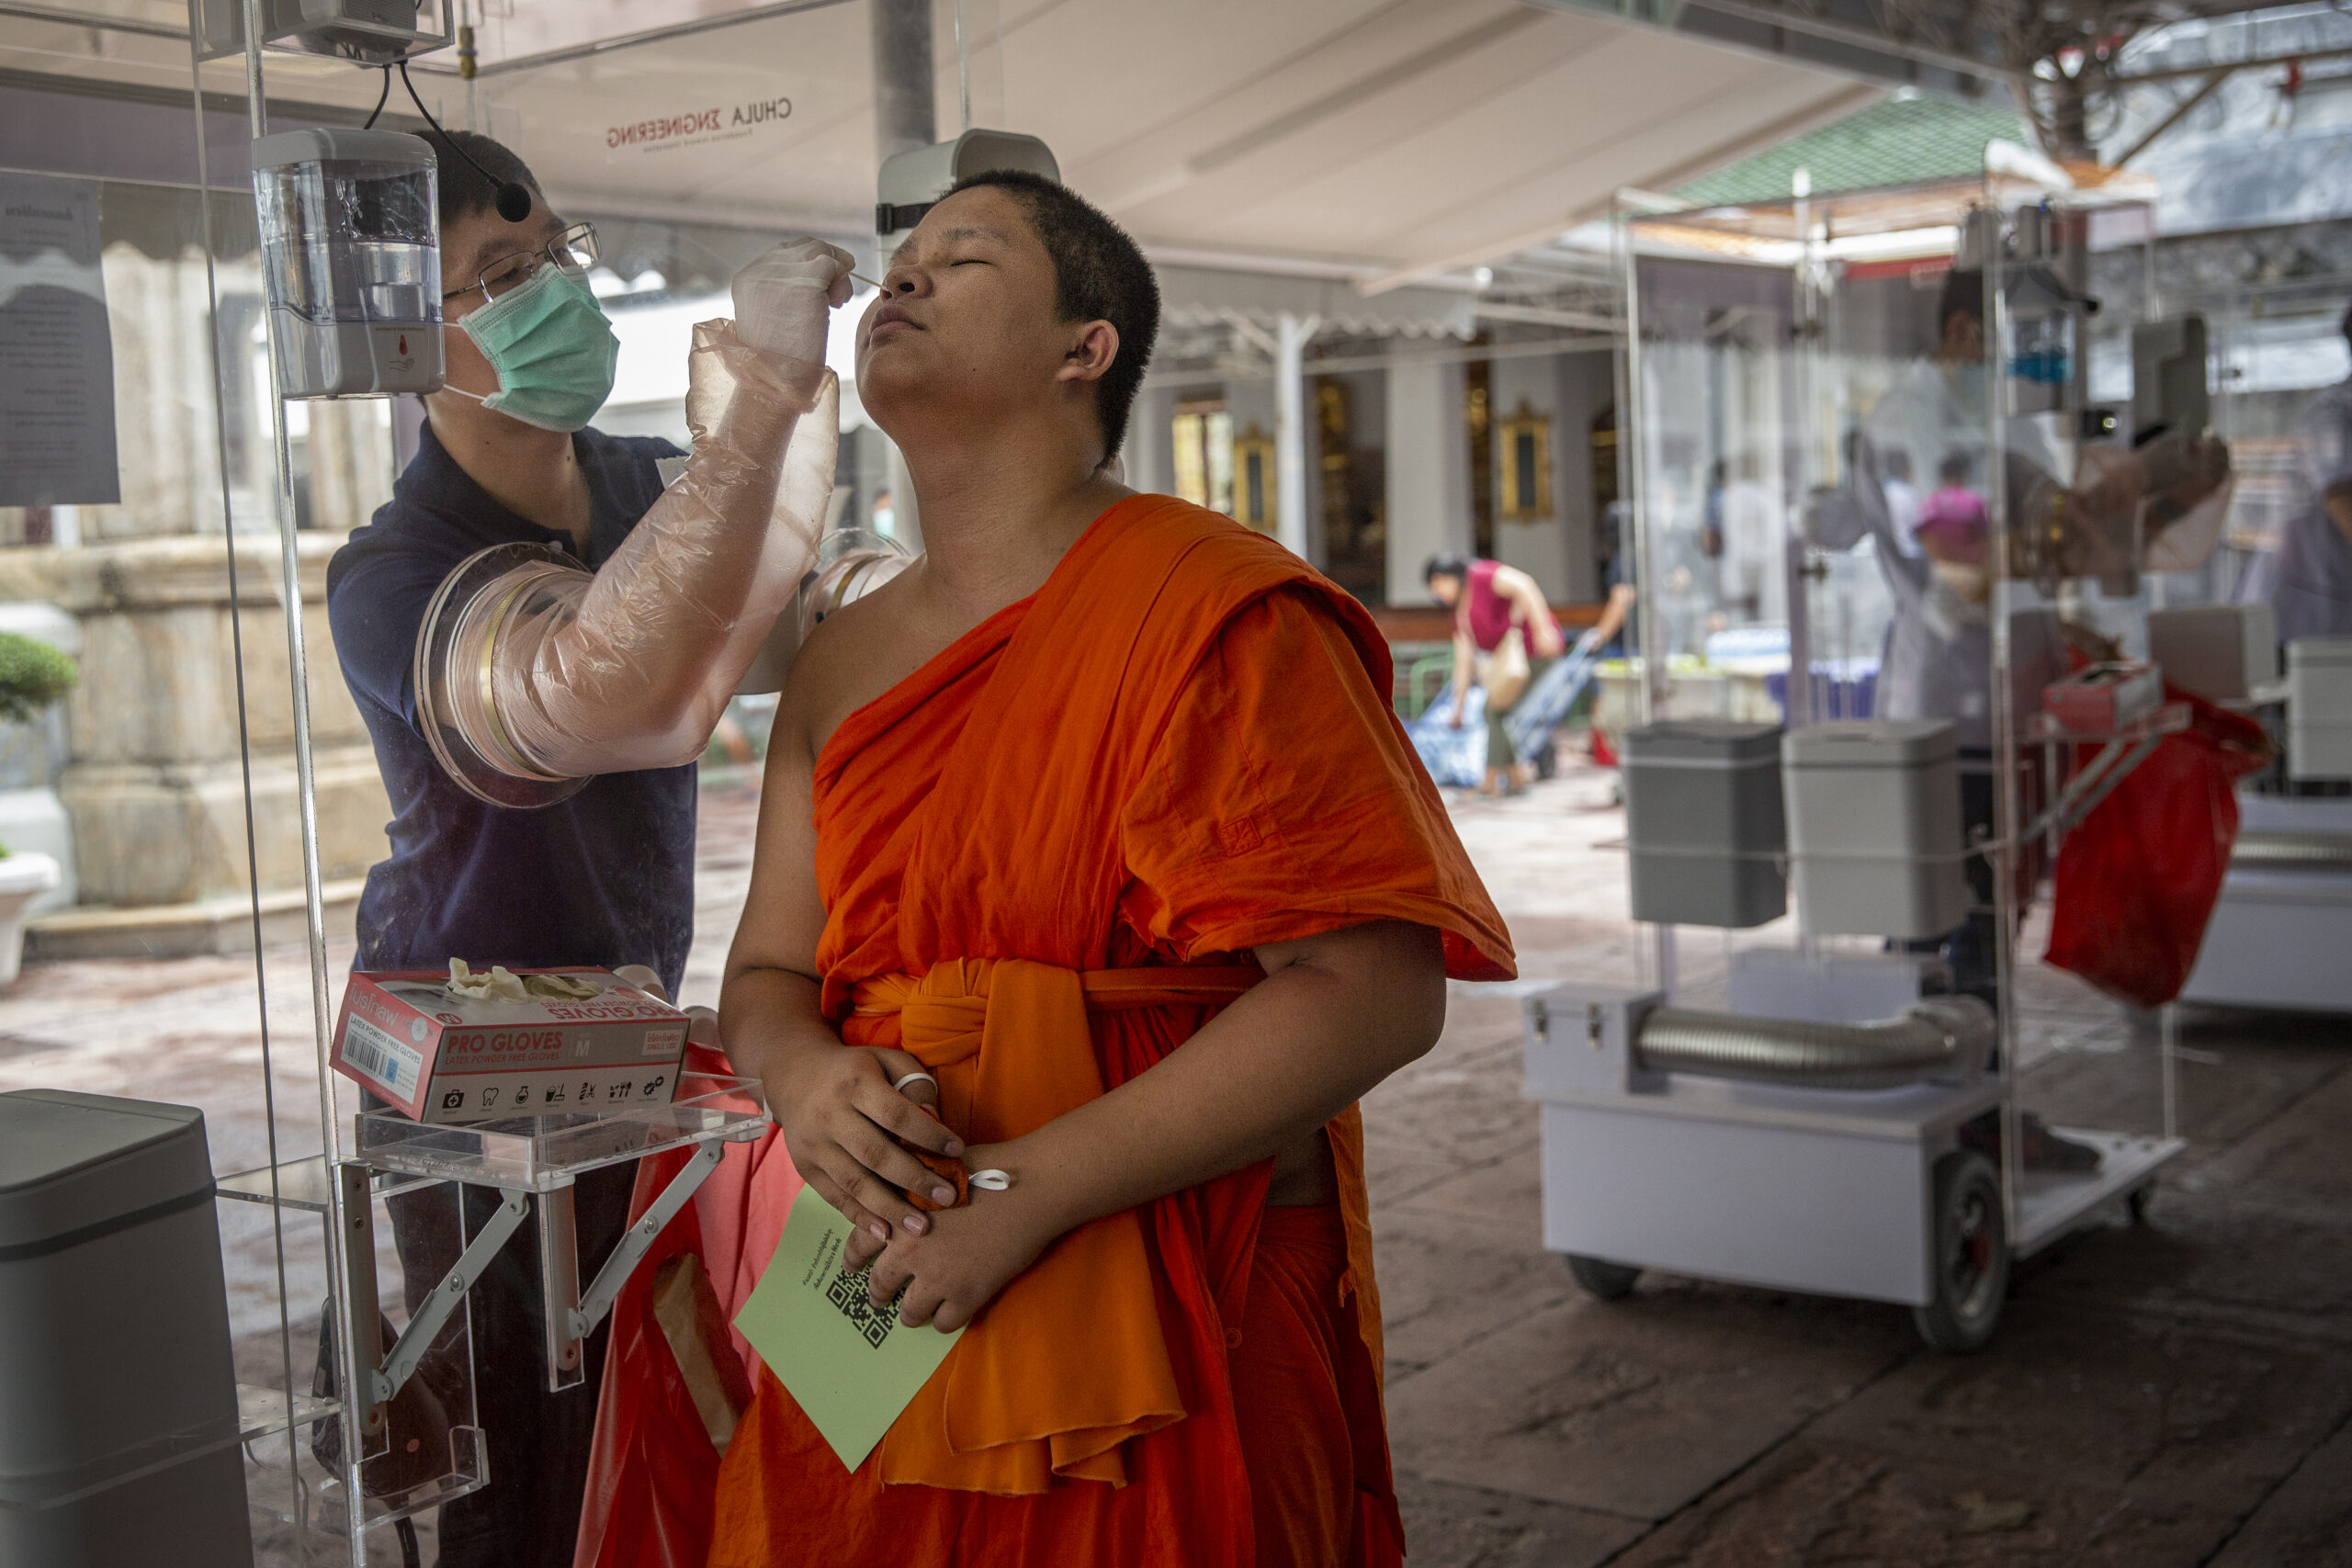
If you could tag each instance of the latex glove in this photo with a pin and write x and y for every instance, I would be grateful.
(783, 299)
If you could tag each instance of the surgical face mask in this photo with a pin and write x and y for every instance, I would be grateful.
(552, 347)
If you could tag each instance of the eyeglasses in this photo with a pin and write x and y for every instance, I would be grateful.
(576, 247)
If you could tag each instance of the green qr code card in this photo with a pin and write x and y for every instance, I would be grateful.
(852, 1366)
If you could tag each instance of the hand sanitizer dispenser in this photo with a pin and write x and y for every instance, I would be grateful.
(352, 261)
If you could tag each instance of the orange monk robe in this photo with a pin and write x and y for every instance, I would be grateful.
(1181, 748)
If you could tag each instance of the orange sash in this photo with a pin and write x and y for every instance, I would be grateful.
(1068, 1361)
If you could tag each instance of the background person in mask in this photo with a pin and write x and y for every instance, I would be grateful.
(1939, 658)
(604, 877)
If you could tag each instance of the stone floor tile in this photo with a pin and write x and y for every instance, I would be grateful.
(1814, 1502)
(2205, 1247)
(1464, 1116)
(2307, 1523)
(1466, 1527)
(1639, 1406)
(2082, 1400)
(1504, 1195)
(2299, 1156)
(1445, 1284)
(1392, 1175)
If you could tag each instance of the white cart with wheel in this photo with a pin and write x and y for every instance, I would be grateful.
(1732, 1148)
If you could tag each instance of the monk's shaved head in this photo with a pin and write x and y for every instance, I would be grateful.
(1100, 274)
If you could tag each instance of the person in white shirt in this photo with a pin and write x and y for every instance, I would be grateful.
(1903, 499)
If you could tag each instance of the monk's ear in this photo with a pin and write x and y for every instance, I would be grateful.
(1096, 346)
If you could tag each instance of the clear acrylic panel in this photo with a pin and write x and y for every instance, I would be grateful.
(1842, 406)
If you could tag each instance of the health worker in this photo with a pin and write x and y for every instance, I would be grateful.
(549, 819)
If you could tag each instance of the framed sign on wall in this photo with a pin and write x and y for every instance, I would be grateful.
(1525, 495)
(1253, 478)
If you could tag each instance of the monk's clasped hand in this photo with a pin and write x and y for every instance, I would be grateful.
(855, 1139)
(945, 1276)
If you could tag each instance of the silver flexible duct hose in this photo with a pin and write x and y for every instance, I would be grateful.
(1942, 1037)
(2294, 852)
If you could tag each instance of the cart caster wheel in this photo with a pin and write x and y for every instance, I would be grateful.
(1610, 1282)
(1972, 1255)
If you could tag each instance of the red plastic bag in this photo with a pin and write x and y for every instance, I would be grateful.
(2137, 881)
(653, 1474)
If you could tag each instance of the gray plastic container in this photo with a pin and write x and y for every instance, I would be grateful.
(118, 1399)
(1703, 822)
(1874, 828)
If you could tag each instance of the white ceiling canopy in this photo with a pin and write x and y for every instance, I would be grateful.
(1377, 141)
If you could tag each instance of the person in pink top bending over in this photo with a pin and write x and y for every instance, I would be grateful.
(1506, 635)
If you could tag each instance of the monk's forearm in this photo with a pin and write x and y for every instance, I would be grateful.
(1301, 1046)
(764, 1013)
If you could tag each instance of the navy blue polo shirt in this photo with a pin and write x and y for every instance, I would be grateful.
(605, 878)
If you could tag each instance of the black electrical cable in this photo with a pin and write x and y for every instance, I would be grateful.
(512, 200)
(381, 98)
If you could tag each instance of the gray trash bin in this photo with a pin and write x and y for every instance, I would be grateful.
(1874, 828)
(118, 1399)
(1703, 822)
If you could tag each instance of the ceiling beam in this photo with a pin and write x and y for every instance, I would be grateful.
(1395, 74)
(2180, 111)
(1292, 122)
(2185, 72)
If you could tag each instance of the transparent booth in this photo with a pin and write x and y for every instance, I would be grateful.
(218, 225)
(1937, 633)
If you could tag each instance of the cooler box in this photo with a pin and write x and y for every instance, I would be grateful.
(2221, 652)
(2319, 708)
(118, 1400)
(1874, 828)
(1703, 822)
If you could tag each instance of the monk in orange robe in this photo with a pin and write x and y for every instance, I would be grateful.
(1099, 817)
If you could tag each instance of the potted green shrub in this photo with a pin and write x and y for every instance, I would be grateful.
(34, 677)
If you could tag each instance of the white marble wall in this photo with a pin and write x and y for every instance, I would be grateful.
(1148, 451)
(154, 787)
(1429, 474)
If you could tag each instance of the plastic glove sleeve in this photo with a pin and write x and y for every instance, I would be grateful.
(630, 668)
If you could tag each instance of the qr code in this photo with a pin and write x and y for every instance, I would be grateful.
(848, 1294)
